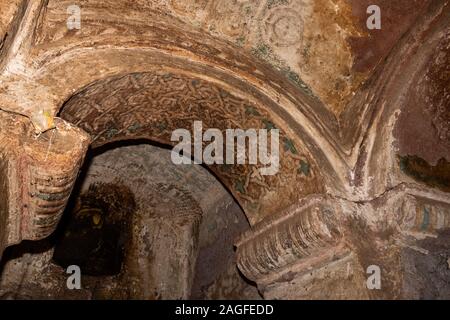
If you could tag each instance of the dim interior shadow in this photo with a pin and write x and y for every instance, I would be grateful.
(142, 141)
(64, 225)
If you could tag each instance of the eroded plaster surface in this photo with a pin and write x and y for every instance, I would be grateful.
(363, 119)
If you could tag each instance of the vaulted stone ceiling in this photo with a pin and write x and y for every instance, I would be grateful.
(364, 114)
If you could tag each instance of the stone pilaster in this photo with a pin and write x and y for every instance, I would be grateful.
(37, 174)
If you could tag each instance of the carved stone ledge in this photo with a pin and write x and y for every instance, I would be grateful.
(407, 208)
(328, 243)
(425, 215)
(307, 234)
(340, 278)
(403, 231)
(37, 176)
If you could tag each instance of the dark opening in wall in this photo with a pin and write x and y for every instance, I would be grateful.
(97, 230)
(128, 228)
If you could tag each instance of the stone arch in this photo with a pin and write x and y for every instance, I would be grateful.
(151, 105)
(60, 64)
(397, 89)
(159, 216)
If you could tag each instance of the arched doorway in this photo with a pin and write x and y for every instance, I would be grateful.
(139, 227)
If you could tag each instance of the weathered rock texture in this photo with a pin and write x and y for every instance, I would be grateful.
(38, 176)
(363, 114)
(177, 237)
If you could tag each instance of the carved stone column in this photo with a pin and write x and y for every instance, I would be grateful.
(37, 174)
(322, 248)
(298, 253)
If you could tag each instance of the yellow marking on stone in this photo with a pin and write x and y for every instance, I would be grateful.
(97, 219)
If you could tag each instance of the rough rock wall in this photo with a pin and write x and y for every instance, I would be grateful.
(366, 111)
(174, 221)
